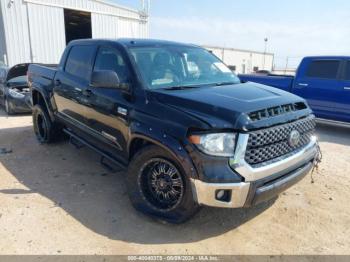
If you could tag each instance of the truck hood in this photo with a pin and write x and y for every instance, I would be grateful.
(228, 106)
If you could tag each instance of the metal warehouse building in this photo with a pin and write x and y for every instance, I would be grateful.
(243, 61)
(38, 30)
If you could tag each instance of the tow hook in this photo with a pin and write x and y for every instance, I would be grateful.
(316, 162)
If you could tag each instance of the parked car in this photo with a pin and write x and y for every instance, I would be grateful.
(14, 90)
(324, 81)
(183, 125)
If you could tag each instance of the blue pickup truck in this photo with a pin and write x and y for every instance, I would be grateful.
(324, 81)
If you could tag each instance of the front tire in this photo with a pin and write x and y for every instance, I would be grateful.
(158, 186)
(45, 130)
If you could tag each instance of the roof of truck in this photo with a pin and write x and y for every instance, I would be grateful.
(327, 57)
(130, 42)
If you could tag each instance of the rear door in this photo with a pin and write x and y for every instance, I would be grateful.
(344, 99)
(71, 84)
(320, 87)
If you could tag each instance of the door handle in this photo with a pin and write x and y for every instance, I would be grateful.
(303, 84)
(57, 82)
(87, 92)
(347, 88)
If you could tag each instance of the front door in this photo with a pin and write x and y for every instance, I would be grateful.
(108, 108)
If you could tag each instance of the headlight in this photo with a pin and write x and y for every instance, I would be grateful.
(15, 94)
(216, 144)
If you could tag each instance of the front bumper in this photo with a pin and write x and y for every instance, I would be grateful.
(261, 183)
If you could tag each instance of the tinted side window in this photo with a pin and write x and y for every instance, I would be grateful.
(323, 69)
(111, 59)
(79, 61)
(347, 71)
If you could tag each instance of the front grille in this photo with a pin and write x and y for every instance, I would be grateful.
(268, 144)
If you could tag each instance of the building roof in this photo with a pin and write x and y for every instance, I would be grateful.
(328, 57)
(103, 7)
(107, 2)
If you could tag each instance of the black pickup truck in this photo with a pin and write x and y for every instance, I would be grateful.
(185, 127)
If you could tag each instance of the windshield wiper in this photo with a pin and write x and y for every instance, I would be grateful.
(180, 87)
(225, 83)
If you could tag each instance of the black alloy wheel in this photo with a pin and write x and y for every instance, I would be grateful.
(41, 131)
(161, 184)
(45, 130)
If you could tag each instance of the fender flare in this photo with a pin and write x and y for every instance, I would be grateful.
(165, 141)
(46, 96)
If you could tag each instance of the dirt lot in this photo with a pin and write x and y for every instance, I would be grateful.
(59, 200)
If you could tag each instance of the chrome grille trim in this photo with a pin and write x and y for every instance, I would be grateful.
(270, 143)
(283, 164)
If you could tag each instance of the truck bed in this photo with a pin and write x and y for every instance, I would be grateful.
(281, 82)
(47, 71)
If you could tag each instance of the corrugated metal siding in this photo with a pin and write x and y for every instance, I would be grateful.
(3, 57)
(90, 6)
(47, 33)
(41, 23)
(104, 26)
(144, 29)
(128, 28)
(244, 60)
(16, 32)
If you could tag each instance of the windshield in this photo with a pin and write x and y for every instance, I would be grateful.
(180, 66)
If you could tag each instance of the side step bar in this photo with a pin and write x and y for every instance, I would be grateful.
(73, 141)
(79, 143)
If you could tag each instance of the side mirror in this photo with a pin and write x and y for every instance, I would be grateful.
(107, 79)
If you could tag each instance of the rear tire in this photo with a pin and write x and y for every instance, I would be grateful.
(158, 186)
(45, 130)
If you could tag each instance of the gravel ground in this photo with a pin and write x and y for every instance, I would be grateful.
(59, 200)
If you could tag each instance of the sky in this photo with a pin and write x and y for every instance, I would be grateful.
(294, 28)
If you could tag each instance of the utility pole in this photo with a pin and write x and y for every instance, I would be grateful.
(144, 13)
(265, 48)
(145, 6)
(285, 71)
